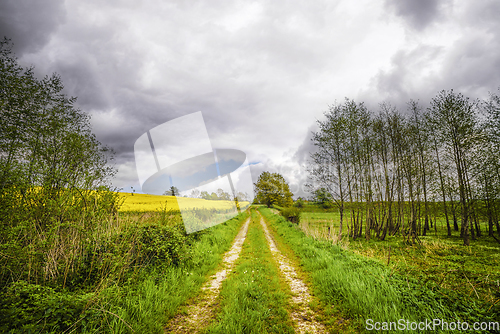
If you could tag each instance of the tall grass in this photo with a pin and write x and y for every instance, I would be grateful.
(145, 304)
(102, 270)
(470, 271)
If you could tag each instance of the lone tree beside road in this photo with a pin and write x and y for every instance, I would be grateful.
(271, 189)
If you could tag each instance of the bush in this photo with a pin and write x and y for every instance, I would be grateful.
(136, 246)
(27, 308)
(291, 214)
(163, 244)
(299, 203)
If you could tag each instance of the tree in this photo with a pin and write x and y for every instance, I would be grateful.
(195, 193)
(489, 163)
(54, 174)
(272, 189)
(454, 118)
(172, 191)
(242, 196)
(222, 195)
(323, 197)
(329, 161)
(45, 141)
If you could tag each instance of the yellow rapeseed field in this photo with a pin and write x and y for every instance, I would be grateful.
(144, 202)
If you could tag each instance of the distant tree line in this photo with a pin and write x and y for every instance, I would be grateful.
(392, 172)
(220, 195)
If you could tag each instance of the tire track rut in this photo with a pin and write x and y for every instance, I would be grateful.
(302, 315)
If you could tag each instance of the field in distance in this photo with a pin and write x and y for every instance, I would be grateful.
(145, 202)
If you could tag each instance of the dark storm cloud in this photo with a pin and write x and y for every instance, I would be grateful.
(473, 67)
(419, 14)
(82, 80)
(30, 23)
(484, 14)
(260, 72)
(468, 67)
(473, 62)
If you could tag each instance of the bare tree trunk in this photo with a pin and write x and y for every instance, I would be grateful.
(441, 181)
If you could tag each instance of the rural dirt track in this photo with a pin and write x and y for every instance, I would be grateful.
(202, 310)
(302, 315)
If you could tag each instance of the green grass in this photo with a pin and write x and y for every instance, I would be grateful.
(335, 320)
(253, 298)
(365, 288)
(146, 303)
(471, 271)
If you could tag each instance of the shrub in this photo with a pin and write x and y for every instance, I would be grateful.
(27, 308)
(165, 244)
(291, 214)
(299, 203)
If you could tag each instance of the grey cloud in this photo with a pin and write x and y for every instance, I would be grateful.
(472, 66)
(254, 75)
(30, 23)
(81, 80)
(408, 78)
(484, 14)
(129, 119)
(468, 66)
(307, 146)
(419, 14)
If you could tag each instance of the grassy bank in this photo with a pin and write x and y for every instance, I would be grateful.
(471, 271)
(367, 289)
(137, 271)
(154, 297)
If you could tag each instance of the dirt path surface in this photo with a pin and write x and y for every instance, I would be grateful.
(302, 315)
(202, 310)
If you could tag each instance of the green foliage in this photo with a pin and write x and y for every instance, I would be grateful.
(291, 214)
(221, 195)
(272, 189)
(54, 177)
(26, 307)
(383, 159)
(165, 244)
(323, 198)
(299, 203)
(146, 302)
(131, 279)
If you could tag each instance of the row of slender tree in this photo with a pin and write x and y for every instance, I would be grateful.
(393, 171)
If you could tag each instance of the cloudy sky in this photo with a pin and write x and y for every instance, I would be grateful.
(261, 72)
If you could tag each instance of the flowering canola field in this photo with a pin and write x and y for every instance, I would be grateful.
(145, 202)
